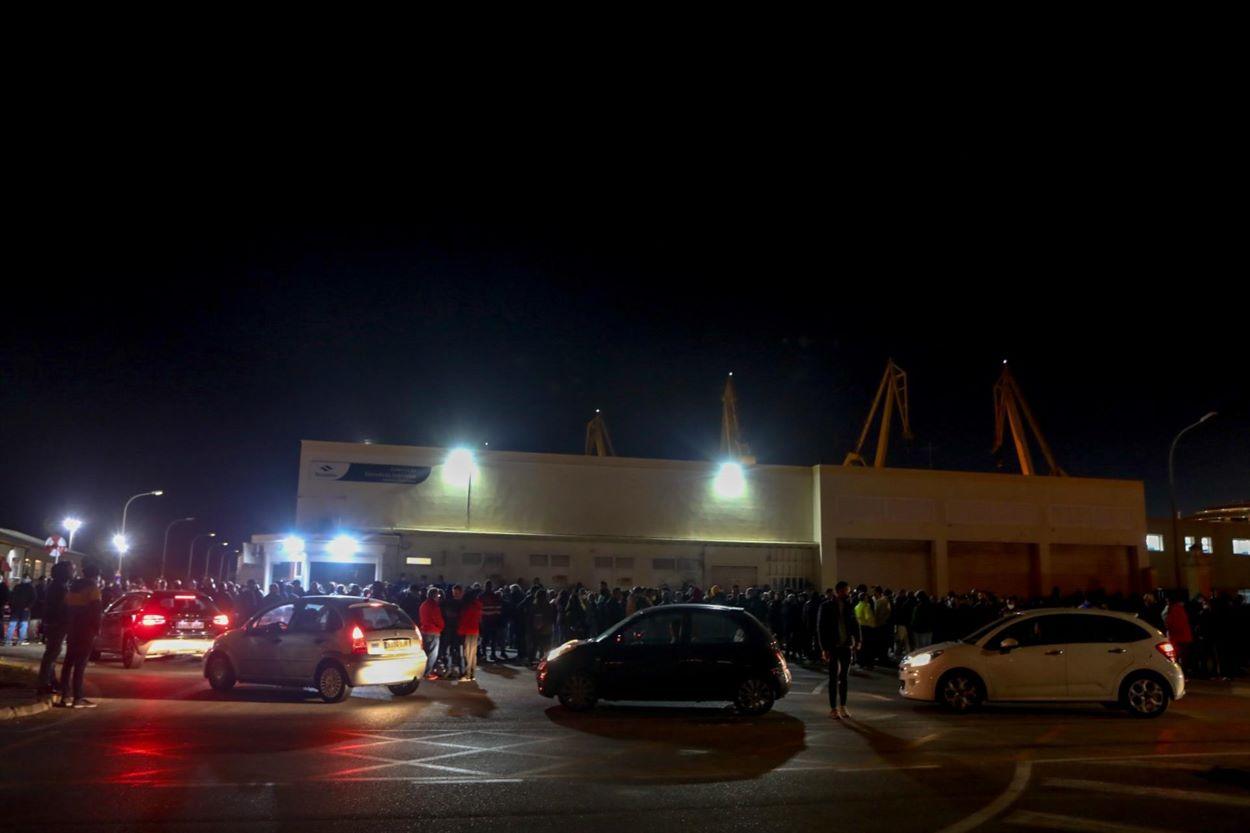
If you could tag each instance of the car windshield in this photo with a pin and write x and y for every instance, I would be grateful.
(980, 633)
(380, 617)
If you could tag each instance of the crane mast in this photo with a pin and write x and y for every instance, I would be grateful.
(598, 440)
(891, 396)
(1011, 409)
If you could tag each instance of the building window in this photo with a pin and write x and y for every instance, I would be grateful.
(1207, 547)
(603, 562)
(688, 565)
(667, 564)
(1154, 543)
(419, 561)
(624, 563)
(470, 559)
(559, 561)
(538, 560)
(1241, 546)
(492, 559)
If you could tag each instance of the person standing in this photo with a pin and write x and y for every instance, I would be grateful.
(84, 608)
(470, 629)
(839, 634)
(54, 621)
(431, 623)
(20, 602)
(1179, 632)
(451, 647)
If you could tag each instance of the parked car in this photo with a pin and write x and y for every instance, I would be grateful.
(330, 643)
(143, 624)
(671, 653)
(1050, 655)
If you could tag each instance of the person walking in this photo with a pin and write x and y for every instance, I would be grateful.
(431, 623)
(839, 634)
(84, 608)
(541, 620)
(54, 621)
(1179, 632)
(470, 629)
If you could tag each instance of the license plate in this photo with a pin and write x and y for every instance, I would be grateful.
(388, 644)
(190, 626)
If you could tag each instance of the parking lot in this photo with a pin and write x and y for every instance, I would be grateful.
(165, 752)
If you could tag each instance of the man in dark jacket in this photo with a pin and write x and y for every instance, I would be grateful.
(54, 621)
(21, 599)
(839, 635)
(84, 608)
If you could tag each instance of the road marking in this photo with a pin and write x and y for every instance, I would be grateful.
(1244, 753)
(1018, 783)
(1179, 765)
(1052, 821)
(1147, 792)
(922, 741)
(818, 689)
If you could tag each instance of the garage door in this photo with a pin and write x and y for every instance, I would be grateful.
(1089, 567)
(1002, 568)
(898, 565)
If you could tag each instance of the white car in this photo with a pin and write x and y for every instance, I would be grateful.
(1059, 655)
(329, 643)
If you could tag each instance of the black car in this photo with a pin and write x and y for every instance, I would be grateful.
(159, 623)
(672, 652)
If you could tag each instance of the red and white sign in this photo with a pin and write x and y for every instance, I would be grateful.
(55, 546)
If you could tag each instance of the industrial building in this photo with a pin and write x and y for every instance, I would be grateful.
(367, 511)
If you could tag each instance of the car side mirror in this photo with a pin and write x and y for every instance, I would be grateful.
(1008, 645)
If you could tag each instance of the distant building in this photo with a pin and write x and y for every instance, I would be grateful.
(419, 512)
(26, 555)
(1214, 546)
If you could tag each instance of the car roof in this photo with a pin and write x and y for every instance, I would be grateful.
(695, 606)
(1079, 611)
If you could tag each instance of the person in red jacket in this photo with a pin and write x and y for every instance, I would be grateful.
(470, 627)
(431, 625)
(1179, 633)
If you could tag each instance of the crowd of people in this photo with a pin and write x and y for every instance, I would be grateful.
(521, 621)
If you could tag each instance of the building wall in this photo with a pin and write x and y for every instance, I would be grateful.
(1222, 570)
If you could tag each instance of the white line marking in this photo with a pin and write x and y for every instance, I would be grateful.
(1245, 753)
(1147, 792)
(818, 689)
(1018, 782)
(879, 697)
(1179, 765)
(1052, 821)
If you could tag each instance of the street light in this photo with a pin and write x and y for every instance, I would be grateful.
(1176, 539)
(165, 548)
(119, 540)
(224, 572)
(208, 555)
(191, 551)
(71, 525)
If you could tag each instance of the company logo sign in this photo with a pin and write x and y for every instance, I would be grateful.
(369, 472)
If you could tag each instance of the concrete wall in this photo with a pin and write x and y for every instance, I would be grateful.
(1222, 570)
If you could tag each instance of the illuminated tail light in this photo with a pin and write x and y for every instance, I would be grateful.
(1168, 650)
(151, 620)
(221, 619)
(184, 598)
(359, 646)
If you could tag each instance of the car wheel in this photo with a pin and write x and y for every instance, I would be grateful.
(220, 674)
(578, 692)
(332, 683)
(1144, 695)
(754, 696)
(404, 689)
(131, 656)
(961, 691)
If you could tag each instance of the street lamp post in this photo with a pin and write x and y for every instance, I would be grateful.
(191, 551)
(1176, 536)
(119, 540)
(223, 572)
(71, 525)
(208, 555)
(165, 548)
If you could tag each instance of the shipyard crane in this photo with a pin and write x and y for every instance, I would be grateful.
(598, 440)
(731, 444)
(891, 396)
(1009, 405)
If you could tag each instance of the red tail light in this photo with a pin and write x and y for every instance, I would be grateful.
(1168, 650)
(359, 646)
(221, 619)
(152, 620)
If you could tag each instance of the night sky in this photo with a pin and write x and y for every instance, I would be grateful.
(184, 330)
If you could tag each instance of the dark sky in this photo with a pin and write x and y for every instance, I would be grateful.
(185, 320)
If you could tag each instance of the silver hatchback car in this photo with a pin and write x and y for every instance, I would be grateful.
(329, 643)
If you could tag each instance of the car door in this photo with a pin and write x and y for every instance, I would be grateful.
(117, 620)
(304, 644)
(260, 657)
(714, 657)
(640, 660)
(1036, 669)
(1100, 650)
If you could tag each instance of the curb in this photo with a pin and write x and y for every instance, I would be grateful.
(39, 706)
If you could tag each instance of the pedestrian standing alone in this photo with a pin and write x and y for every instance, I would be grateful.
(84, 608)
(54, 621)
(470, 629)
(840, 634)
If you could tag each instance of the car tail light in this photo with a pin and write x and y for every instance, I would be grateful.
(221, 619)
(1168, 650)
(359, 646)
(152, 620)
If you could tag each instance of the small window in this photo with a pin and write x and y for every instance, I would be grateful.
(559, 561)
(280, 616)
(625, 563)
(1207, 544)
(538, 561)
(688, 565)
(1154, 543)
(666, 564)
(1241, 546)
(470, 558)
(603, 562)
(492, 559)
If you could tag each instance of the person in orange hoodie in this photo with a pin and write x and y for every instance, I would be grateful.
(1179, 633)
(431, 624)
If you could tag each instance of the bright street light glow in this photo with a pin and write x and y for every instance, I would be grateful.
(343, 547)
(293, 545)
(119, 543)
(71, 525)
(460, 467)
(730, 481)
(159, 492)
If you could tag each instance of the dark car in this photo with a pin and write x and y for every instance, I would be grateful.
(671, 653)
(159, 623)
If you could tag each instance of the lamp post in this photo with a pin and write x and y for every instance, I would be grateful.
(165, 548)
(1176, 536)
(208, 555)
(223, 572)
(71, 525)
(119, 540)
(191, 551)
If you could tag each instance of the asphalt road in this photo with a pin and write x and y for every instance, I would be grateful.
(164, 752)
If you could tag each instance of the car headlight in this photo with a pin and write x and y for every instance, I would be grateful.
(918, 660)
(556, 653)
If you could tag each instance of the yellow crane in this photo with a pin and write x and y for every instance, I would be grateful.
(891, 395)
(1009, 406)
(731, 444)
(598, 440)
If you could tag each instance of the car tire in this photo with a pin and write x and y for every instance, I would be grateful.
(1145, 695)
(961, 691)
(754, 697)
(331, 683)
(220, 673)
(404, 689)
(577, 692)
(132, 657)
